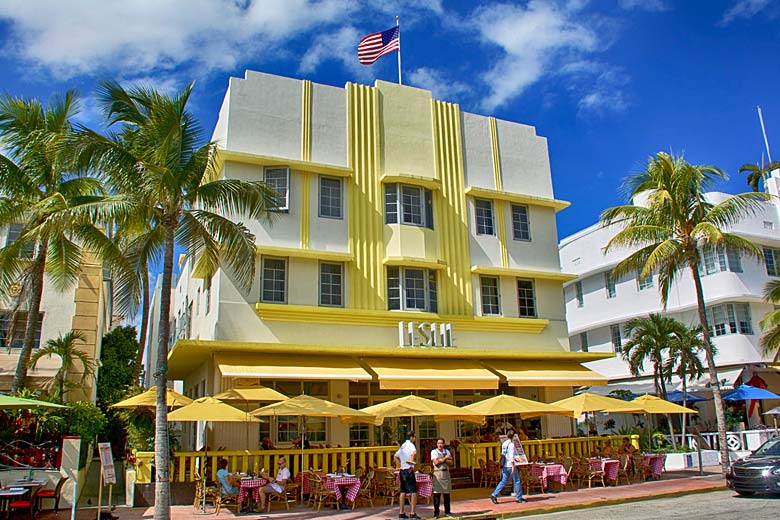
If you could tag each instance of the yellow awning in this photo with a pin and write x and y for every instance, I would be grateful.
(290, 366)
(431, 374)
(546, 373)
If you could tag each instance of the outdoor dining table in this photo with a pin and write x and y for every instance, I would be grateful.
(610, 467)
(25, 483)
(424, 483)
(655, 462)
(555, 472)
(250, 485)
(337, 482)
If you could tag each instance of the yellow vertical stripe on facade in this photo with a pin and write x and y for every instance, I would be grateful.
(365, 223)
(305, 156)
(496, 155)
(501, 233)
(451, 216)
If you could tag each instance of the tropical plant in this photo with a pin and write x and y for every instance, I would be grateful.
(165, 179)
(770, 323)
(670, 229)
(84, 420)
(684, 361)
(649, 339)
(38, 188)
(758, 174)
(64, 347)
(117, 356)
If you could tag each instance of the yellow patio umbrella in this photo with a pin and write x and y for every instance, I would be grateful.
(416, 406)
(508, 405)
(246, 395)
(148, 399)
(308, 406)
(209, 409)
(653, 404)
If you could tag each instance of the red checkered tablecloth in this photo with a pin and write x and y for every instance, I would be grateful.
(655, 463)
(424, 484)
(555, 472)
(336, 483)
(247, 486)
(305, 484)
(610, 467)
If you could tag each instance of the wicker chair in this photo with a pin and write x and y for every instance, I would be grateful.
(596, 472)
(641, 470)
(228, 502)
(366, 491)
(322, 495)
(625, 469)
(289, 494)
(483, 473)
(212, 493)
(568, 468)
(531, 481)
(493, 473)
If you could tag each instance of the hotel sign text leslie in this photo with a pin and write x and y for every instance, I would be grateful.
(424, 334)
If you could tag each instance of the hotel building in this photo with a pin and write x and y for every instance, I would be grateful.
(413, 249)
(598, 305)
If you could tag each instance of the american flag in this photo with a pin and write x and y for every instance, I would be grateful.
(376, 45)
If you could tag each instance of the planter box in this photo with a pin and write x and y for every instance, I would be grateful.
(691, 460)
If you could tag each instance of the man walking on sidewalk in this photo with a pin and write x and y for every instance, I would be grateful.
(508, 469)
(406, 455)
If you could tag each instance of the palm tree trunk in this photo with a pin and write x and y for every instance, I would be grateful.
(162, 488)
(33, 309)
(139, 357)
(684, 403)
(668, 416)
(720, 415)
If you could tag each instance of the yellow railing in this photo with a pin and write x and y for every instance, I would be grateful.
(185, 464)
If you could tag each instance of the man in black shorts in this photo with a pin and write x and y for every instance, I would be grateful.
(406, 456)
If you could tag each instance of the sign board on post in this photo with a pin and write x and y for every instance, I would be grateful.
(107, 462)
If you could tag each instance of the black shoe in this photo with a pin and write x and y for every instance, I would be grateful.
(436, 515)
(449, 515)
(402, 515)
(522, 500)
(414, 516)
(493, 499)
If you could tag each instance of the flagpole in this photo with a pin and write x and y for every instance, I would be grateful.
(399, 49)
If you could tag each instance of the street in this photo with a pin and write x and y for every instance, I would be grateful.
(715, 505)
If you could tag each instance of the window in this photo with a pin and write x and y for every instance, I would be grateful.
(644, 283)
(274, 282)
(609, 283)
(331, 285)
(278, 180)
(287, 426)
(584, 341)
(772, 261)
(19, 326)
(520, 225)
(330, 197)
(490, 299)
(768, 224)
(578, 292)
(617, 340)
(525, 299)
(735, 260)
(207, 293)
(484, 214)
(719, 259)
(730, 318)
(412, 203)
(14, 231)
(411, 289)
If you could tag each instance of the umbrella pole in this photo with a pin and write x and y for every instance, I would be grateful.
(303, 433)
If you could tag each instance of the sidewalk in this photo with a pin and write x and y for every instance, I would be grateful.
(466, 503)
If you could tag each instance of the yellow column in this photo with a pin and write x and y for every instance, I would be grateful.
(496, 156)
(305, 156)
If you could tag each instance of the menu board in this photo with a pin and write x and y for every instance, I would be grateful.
(107, 462)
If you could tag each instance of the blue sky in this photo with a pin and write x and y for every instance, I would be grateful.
(608, 82)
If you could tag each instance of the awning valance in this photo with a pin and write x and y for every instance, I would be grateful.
(274, 366)
(546, 373)
(431, 374)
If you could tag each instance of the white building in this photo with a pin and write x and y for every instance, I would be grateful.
(598, 306)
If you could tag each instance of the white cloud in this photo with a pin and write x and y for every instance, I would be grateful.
(143, 37)
(743, 9)
(442, 87)
(532, 39)
(644, 5)
(340, 46)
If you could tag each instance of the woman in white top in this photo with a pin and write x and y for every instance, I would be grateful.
(275, 485)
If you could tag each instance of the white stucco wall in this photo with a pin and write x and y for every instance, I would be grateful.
(329, 125)
(525, 163)
(477, 151)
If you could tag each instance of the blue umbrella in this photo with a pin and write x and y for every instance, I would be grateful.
(748, 393)
(677, 397)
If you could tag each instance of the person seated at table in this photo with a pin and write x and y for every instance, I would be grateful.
(627, 447)
(275, 484)
(266, 444)
(228, 481)
(607, 452)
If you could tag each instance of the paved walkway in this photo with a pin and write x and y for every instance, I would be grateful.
(466, 503)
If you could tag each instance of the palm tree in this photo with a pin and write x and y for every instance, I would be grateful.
(164, 178)
(649, 339)
(770, 323)
(684, 361)
(38, 189)
(670, 229)
(758, 174)
(64, 347)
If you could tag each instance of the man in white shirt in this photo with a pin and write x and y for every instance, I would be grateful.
(406, 456)
(275, 485)
(508, 453)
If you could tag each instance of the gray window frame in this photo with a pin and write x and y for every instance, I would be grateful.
(772, 256)
(263, 260)
(397, 211)
(584, 345)
(484, 218)
(276, 169)
(339, 197)
(520, 298)
(340, 284)
(643, 284)
(610, 285)
(430, 294)
(579, 293)
(616, 336)
(518, 222)
(485, 296)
